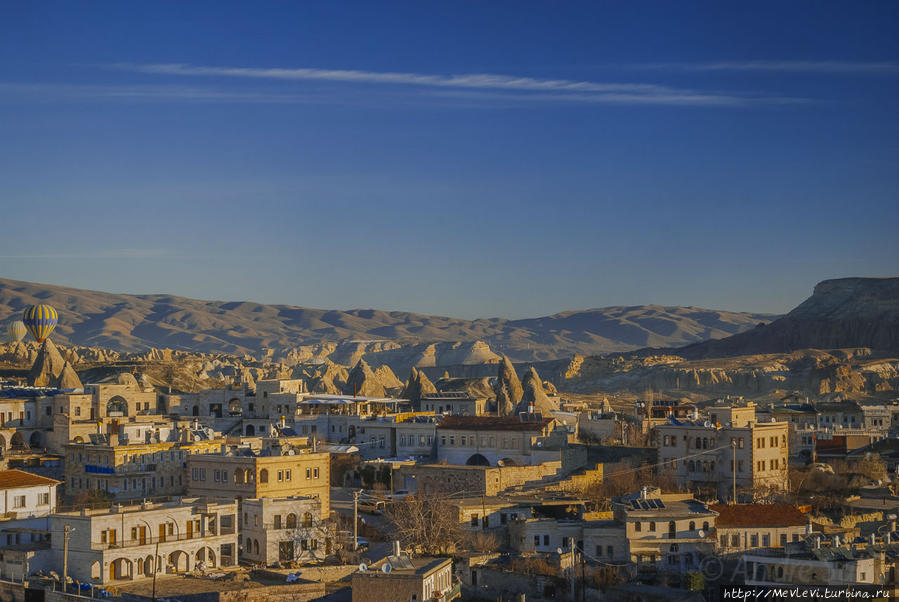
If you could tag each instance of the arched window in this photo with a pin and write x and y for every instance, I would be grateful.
(672, 529)
(307, 520)
(705, 443)
(263, 476)
(692, 525)
(698, 442)
(705, 526)
(249, 545)
(255, 546)
(291, 521)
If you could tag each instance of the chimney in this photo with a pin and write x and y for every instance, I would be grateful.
(396, 549)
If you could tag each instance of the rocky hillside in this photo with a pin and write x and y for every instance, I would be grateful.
(850, 373)
(842, 313)
(297, 334)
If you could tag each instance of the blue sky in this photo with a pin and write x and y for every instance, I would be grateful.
(471, 159)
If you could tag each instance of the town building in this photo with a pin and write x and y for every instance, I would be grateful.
(138, 460)
(742, 527)
(672, 531)
(128, 542)
(246, 474)
(453, 402)
(809, 563)
(285, 531)
(492, 441)
(730, 447)
(405, 579)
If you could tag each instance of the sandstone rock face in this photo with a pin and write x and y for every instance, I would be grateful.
(507, 379)
(843, 313)
(68, 378)
(504, 405)
(418, 386)
(363, 382)
(47, 367)
(812, 372)
(534, 395)
(328, 378)
(388, 379)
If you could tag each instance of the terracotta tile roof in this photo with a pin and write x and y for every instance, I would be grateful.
(12, 479)
(759, 515)
(492, 423)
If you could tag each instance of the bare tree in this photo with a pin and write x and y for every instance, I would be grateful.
(308, 540)
(427, 523)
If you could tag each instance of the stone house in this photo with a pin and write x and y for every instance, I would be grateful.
(741, 527)
(285, 531)
(128, 542)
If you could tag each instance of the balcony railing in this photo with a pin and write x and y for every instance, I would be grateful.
(152, 541)
(453, 592)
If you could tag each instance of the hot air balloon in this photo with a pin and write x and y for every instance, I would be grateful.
(40, 320)
(16, 330)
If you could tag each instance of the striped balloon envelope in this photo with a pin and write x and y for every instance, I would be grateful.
(16, 330)
(40, 320)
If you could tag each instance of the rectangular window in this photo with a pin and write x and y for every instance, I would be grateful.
(277, 521)
(19, 501)
(308, 473)
(652, 526)
(610, 551)
(43, 499)
(783, 539)
(280, 475)
(536, 541)
(474, 520)
(315, 473)
(638, 526)
(546, 540)
(735, 541)
(754, 540)
(724, 541)
(286, 475)
(766, 541)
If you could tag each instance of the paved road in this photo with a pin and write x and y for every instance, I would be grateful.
(342, 503)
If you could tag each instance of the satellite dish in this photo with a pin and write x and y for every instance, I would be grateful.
(707, 424)
(701, 533)
(386, 568)
(363, 567)
(559, 551)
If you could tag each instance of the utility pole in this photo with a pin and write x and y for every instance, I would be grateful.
(572, 570)
(733, 444)
(65, 556)
(356, 519)
(155, 567)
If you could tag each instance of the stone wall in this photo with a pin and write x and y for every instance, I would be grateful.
(296, 592)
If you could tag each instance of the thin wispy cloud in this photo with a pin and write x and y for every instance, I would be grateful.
(151, 92)
(504, 87)
(833, 67)
(96, 254)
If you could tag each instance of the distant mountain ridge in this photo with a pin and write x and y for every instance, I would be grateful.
(841, 313)
(139, 322)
